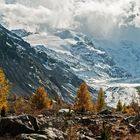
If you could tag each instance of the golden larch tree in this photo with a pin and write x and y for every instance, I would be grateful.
(83, 100)
(100, 102)
(40, 99)
(124, 108)
(4, 90)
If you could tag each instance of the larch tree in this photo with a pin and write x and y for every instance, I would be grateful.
(40, 99)
(124, 108)
(4, 90)
(83, 100)
(119, 106)
(100, 102)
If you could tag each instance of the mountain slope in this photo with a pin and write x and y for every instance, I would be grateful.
(24, 67)
(90, 62)
(124, 52)
(80, 54)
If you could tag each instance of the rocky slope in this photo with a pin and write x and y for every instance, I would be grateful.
(27, 68)
(104, 125)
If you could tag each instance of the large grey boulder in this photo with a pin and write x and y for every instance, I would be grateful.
(15, 125)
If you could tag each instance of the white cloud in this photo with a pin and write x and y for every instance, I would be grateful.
(97, 17)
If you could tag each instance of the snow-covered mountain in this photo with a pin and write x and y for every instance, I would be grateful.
(125, 53)
(96, 61)
(79, 53)
(27, 68)
(65, 57)
(97, 41)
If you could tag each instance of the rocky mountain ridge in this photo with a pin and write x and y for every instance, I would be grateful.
(25, 70)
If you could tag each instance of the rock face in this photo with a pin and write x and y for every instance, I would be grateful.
(28, 68)
(18, 124)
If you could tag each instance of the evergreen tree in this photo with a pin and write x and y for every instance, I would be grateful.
(83, 100)
(100, 103)
(4, 90)
(135, 106)
(124, 108)
(106, 132)
(40, 99)
(119, 106)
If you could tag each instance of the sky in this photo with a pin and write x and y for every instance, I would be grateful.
(97, 18)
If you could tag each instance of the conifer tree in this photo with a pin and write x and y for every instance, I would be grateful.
(40, 99)
(4, 90)
(119, 106)
(100, 103)
(135, 106)
(124, 108)
(83, 100)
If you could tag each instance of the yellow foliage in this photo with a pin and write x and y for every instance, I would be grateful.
(124, 108)
(83, 100)
(130, 111)
(40, 99)
(100, 103)
(4, 90)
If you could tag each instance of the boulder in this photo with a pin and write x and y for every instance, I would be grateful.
(31, 137)
(83, 137)
(132, 128)
(54, 134)
(138, 126)
(128, 120)
(87, 121)
(15, 125)
(105, 112)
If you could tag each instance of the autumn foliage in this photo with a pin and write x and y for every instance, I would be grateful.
(83, 100)
(40, 99)
(100, 103)
(4, 90)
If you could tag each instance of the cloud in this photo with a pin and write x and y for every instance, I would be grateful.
(95, 17)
